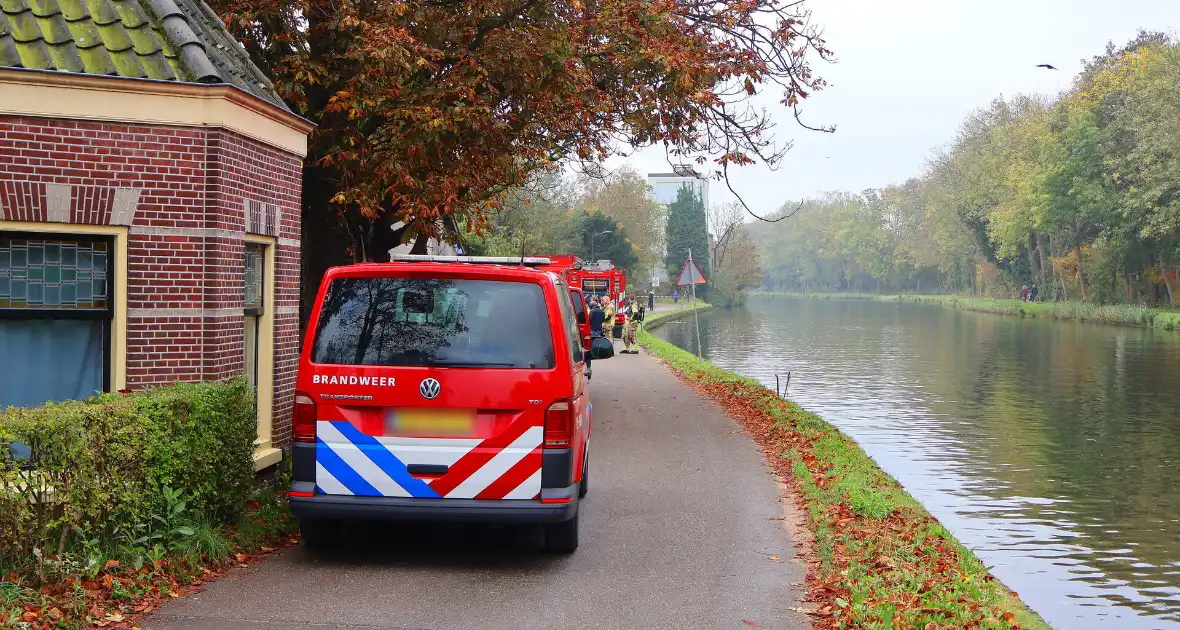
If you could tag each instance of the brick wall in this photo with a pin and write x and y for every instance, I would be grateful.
(189, 197)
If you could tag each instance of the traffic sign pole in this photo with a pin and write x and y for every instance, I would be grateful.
(696, 322)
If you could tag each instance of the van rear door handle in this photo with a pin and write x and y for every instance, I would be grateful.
(427, 469)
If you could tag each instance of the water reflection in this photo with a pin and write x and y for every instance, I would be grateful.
(1049, 448)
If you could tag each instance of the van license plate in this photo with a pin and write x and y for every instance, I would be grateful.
(432, 422)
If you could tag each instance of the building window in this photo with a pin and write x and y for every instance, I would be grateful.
(254, 307)
(55, 316)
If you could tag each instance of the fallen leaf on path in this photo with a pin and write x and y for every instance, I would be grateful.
(796, 584)
(114, 616)
(752, 624)
(776, 558)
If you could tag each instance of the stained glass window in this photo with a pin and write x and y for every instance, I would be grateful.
(41, 273)
(255, 257)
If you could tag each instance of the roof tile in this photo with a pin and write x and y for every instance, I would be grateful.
(13, 6)
(44, 8)
(55, 30)
(86, 34)
(115, 37)
(145, 39)
(97, 60)
(8, 54)
(66, 58)
(174, 40)
(102, 12)
(34, 54)
(25, 28)
(131, 13)
(74, 10)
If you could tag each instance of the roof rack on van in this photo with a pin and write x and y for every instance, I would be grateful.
(528, 261)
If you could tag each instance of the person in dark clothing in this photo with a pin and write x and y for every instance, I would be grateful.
(651, 300)
(596, 317)
(1032, 294)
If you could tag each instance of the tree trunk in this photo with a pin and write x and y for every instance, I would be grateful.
(1046, 264)
(1081, 272)
(1032, 260)
(1171, 291)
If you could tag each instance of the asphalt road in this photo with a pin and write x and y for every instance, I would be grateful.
(677, 532)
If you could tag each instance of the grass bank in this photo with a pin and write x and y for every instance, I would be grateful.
(881, 560)
(1120, 314)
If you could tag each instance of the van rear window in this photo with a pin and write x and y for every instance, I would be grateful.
(434, 322)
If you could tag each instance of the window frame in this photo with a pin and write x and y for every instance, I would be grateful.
(566, 308)
(265, 453)
(107, 315)
(317, 322)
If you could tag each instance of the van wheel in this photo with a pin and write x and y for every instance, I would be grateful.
(585, 486)
(562, 537)
(315, 534)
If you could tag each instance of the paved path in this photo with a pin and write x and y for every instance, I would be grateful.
(677, 532)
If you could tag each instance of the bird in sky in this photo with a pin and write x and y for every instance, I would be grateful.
(1047, 66)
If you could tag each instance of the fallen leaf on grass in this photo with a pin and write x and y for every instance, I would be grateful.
(931, 626)
(114, 616)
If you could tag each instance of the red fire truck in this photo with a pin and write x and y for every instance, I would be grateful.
(599, 278)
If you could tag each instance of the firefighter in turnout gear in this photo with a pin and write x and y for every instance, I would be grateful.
(634, 315)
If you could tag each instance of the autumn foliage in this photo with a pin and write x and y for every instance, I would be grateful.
(427, 110)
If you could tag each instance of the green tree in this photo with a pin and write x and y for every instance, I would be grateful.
(687, 229)
(602, 237)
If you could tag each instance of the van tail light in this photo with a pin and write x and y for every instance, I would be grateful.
(558, 424)
(304, 418)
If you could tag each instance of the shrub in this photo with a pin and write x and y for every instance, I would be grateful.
(88, 479)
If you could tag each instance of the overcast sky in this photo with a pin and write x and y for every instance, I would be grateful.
(908, 71)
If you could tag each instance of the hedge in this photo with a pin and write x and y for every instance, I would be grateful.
(120, 471)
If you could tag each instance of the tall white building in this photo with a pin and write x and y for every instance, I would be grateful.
(666, 186)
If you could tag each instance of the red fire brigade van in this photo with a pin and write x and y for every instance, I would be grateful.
(443, 388)
(599, 278)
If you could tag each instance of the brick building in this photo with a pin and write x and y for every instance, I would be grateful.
(149, 206)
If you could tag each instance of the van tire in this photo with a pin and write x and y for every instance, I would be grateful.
(314, 533)
(562, 538)
(584, 487)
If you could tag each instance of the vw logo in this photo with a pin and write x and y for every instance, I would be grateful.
(429, 388)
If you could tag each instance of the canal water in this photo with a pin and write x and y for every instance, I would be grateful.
(1051, 449)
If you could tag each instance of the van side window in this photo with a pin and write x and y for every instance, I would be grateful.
(574, 339)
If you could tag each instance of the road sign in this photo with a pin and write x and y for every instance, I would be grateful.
(691, 274)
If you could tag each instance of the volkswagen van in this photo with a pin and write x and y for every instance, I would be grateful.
(442, 389)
